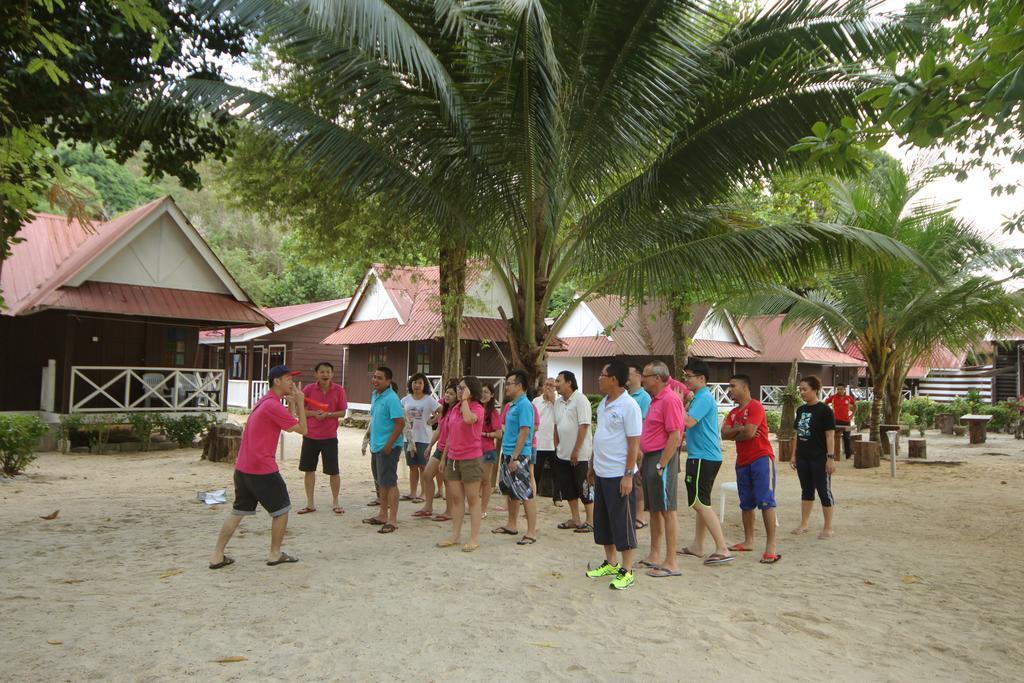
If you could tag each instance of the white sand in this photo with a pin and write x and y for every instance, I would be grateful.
(922, 582)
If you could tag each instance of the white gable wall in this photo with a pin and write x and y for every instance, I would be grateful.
(581, 323)
(820, 339)
(558, 363)
(374, 304)
(484, 297)
(712, 329)
(161, 256)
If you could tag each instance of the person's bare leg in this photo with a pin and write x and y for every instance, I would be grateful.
(531, 517)
(485, 488)
(513, 514)
(589, 507)
(697, 545)
(654, 556)
(805, 516)
(475, 511)
(748, 528)
(610, 554)
(670, 525)
(455, 491)
(277, 528)
(336, 491)
(641, 514)
(428, 485)
(713, 526)
(769, 530)
(439, 478)
(392, 496)
(627, 559)
(227, 530)
(827, 531)
(414, 480)
(574, 510)
(309, 479)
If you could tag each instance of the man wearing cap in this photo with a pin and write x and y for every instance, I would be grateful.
(387, 422)
(257, 479)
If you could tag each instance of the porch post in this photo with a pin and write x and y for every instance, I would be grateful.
(250, 361)
(227, 367)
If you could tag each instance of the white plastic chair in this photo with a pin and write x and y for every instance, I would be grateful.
(733, 487)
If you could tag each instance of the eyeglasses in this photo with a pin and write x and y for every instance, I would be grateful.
(604, 375)
(687, 375)
(646, 376)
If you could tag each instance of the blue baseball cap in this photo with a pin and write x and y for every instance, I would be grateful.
(280, 371)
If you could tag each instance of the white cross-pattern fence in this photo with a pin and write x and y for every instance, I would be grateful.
(104, 388)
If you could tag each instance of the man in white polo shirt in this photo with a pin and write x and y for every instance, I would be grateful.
(573, 446)
(616, 449)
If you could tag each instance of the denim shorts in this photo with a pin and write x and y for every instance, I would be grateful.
(490, 456)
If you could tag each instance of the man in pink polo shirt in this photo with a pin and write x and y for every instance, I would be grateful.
(322, 438)
(257, 479)
(663, 430)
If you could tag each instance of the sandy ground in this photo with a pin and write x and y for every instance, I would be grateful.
(923, 581)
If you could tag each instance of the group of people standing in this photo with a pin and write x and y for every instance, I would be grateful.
(612, 476)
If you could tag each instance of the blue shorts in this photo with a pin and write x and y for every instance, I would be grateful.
(490, 456)
(755, 484)
(416, 454)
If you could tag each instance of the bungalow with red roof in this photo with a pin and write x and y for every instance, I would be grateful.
(394, 319)
(295, 341)
(107, 318)
(604, 328)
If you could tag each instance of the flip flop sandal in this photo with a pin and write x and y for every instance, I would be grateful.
(641, 564)
(640, 525)
(504, 530)
(470, 547)
(441, 518)
(768, 558)
(405, 497)
(373, 503)
(423, 514)
(339, 510)
(584, 529)
(226, 562)
(661, 573)
(686, 552)
(285, 558)
(526, 540)
(417, 499)
(739, 548)
(568, 525)
(387, 529)
(374, 521)
(446, 544)
(305, 511)
(716, 558)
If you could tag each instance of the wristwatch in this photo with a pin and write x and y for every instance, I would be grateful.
(831, 456)
(660, 467)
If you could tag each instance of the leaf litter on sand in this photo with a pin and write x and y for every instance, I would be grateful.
(55, 642)
(910, 578)
(171, 572)
(53, 515)
(231, 660)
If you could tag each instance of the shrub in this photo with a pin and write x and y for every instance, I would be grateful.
(143, 425)
(923, 410)
(185, 429)
(68, 425)
(959, 407)
(1004, 415)
(774, 420)
(862, 416)
(19, 435)
(98, 427)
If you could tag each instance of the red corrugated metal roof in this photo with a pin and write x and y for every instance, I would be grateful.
(710, 348)
(829, 357)
(425, 326)
(106, 297)
(282, 315)
(777, 345)
(603, 347)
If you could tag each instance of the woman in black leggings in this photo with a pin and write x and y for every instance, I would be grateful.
(815, 459)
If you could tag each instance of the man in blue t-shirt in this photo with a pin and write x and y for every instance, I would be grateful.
(516, 448)
(703, 458)
(387, 421)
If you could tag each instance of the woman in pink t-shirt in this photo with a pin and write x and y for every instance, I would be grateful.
(440, 438)
(463, 460)
(492, 428)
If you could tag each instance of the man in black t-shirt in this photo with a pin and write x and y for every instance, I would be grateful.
(815, 458)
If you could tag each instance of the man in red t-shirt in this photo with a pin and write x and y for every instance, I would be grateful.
(322, 439)
(257, 479)
(747, 425)
(844, 407)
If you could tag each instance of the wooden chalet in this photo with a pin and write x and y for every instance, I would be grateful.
(295, 340)
(108, 319)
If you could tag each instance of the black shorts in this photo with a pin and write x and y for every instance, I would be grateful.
(815, 478)
(571, 481)
(700, 480)
(544, 473)
(310, 454)
(614, 515)
(269, 490)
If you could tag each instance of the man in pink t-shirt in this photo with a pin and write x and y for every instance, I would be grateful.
(328, 402)
(662, 434)
(257, 479)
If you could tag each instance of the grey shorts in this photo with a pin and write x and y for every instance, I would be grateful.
(660, 490)
(387, 466)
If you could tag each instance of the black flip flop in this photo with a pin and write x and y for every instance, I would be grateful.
(285, 558)
(227, 561)
(387, 529)
(526, 540)
(504, 530)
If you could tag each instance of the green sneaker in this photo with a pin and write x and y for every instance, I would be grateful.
(604, 570)
(622, 581)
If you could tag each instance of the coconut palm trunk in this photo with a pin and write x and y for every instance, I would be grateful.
(452, 286)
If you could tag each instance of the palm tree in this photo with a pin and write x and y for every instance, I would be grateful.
(896, 313)
(583, 142)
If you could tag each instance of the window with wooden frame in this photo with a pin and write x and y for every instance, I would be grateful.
(378, 357)
(422, 363)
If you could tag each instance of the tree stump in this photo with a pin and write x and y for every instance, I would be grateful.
(222, 443)
(786, 447)
(869, 455)
(857, 446)
(917, 448)
(944, 421)
(976, 431)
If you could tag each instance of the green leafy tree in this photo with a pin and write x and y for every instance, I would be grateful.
(896, 313)
(965, 89)
(569, 142)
